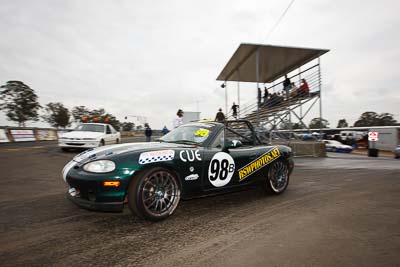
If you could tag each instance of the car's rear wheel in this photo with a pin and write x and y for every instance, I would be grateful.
(101, 143)
(154, 194)
(278, 177)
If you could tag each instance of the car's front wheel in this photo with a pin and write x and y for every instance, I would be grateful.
(278, 177)
(154, 194)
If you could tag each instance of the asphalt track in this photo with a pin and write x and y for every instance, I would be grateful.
(343, 210)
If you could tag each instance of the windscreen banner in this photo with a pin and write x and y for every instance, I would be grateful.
(22, 135)
(3, 136)
(46, 135)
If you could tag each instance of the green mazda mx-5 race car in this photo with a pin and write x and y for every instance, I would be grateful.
(196, 159)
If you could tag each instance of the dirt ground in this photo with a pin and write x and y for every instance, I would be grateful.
(343, 210)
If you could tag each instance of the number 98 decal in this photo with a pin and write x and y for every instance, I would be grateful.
(222, 167)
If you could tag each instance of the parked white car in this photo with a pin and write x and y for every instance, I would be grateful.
(88, 135)
(336, 146)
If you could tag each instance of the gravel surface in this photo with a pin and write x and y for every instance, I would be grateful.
(343, 210)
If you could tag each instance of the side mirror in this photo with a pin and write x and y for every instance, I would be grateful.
(232, 144)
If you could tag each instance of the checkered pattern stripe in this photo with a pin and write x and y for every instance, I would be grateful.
(155, 159)
(146, 158)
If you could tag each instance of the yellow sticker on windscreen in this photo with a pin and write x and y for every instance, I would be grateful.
(202, 132)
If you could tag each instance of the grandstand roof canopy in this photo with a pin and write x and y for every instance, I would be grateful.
(274, 62)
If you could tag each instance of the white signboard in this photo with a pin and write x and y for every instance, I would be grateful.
(3, 136)
(22, 135)
(373, 136)
(46, 135)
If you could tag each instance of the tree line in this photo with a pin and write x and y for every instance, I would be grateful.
(368, 118)
(21, 104)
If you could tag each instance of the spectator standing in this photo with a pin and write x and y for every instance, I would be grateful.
(165, 130)
(178, 121)
(234, 110)
(147, 132)
(286, 86)
(259, 95)
(286, 83)
(220, 117)
(265, 94)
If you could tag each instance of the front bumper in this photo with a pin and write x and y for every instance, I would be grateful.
(98, 206)
(87, 190)
(78, 143)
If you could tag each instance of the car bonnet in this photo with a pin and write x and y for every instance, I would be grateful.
(82, 134)
(112, 150)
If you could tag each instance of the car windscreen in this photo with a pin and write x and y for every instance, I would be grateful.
(194, 133)
(90, 128)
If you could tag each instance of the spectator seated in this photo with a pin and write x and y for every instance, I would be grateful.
(303, 90)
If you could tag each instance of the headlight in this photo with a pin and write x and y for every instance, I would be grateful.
(100, 166)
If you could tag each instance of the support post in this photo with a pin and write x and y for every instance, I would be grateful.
(301, 104)
(320, 98)
(258, 80)
(226, 99)
(238, 92)
(289, 113)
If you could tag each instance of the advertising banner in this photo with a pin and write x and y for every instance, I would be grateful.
(3, 136)
(22, 135)
(46, 135)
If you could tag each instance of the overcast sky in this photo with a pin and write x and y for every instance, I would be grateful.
(149, 58)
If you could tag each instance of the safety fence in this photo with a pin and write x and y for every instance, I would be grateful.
(26, 134)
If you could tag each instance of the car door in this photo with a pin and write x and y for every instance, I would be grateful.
(220, 166)
(115, 135)
(109, 136)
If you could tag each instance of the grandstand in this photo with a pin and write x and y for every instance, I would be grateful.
(266, 66)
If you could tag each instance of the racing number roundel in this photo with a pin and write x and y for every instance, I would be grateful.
(221, 169)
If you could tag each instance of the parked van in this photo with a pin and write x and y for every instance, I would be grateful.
(388, 138)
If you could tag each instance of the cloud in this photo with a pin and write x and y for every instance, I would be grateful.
(150, 58)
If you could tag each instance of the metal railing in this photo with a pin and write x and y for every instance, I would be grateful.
(279, 99)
